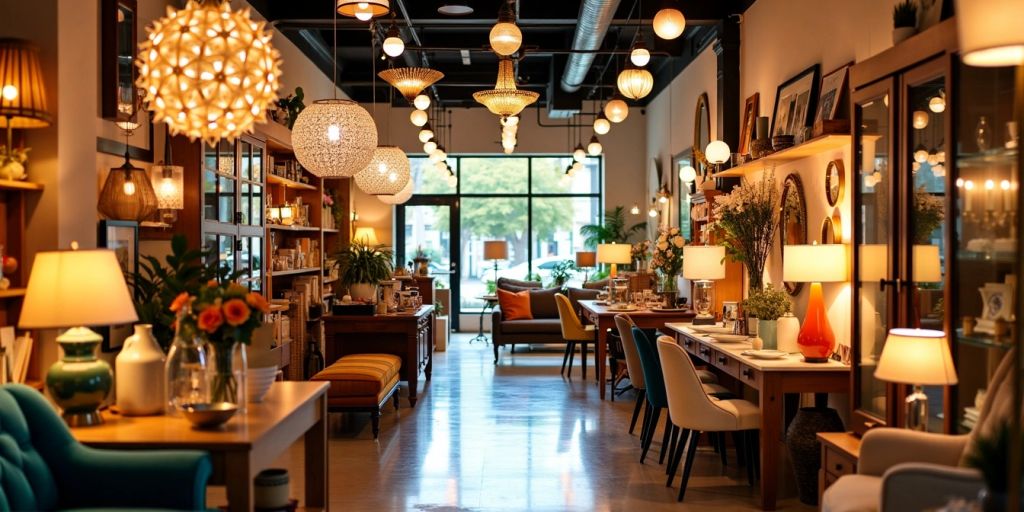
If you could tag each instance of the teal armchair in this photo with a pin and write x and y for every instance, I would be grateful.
(42, 467)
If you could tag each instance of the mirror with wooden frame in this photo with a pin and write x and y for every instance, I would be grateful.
(835, 182)
(701, 134)
(832, 230)
(792, 221)
(117, 57)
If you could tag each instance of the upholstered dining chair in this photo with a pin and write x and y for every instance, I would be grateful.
(574, 332)
(625, 325)
(693, 412)
(42, 467)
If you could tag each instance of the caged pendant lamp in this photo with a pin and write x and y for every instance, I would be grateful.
(127, 194)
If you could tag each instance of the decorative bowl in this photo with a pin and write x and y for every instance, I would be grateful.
(211, 415)
(258, 382)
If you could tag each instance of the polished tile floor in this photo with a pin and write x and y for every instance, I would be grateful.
(516, 436)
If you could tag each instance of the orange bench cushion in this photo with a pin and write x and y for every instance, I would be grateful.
(360, 380)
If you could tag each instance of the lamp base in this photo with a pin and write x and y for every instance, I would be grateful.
(82, 419)
(916, 410)
(815, 359)
(79, 382)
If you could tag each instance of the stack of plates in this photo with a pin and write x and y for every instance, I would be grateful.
(718, 329)
(258, 382)
(729, 338)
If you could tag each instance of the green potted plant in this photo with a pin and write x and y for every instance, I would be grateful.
(991, 456)
(904, 21)
(612, 229)
(562, 272)
(362, 267)
(768, 304)
(290, 106)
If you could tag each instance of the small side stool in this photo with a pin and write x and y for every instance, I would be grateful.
(362, 383)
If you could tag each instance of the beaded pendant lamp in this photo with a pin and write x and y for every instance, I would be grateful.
(410, 81)
(334, 138)
(505, 99)
(387, 173)
(401, 197)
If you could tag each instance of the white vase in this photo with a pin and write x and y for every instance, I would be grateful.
(139, 374)
(441, 333)
(787, 329)
(363, 291)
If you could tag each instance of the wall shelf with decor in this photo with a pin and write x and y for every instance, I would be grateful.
(15, 198)
(809, 148)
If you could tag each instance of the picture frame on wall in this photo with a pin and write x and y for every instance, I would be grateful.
(795, 102)
(750, 112)
(831, 94)
(121, 236)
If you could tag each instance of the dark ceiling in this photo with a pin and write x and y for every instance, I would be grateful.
(448, 42)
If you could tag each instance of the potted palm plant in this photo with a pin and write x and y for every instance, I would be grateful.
(361, 267)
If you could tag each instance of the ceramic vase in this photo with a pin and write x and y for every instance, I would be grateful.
(786, 330)
(139, 374)
(766, 330)
(270, 489)
(363, 291)
(79, 382)
(805, 450)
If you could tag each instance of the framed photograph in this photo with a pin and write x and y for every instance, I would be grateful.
(122, 236)
(832, 87)
(795, 101)
(750, 111)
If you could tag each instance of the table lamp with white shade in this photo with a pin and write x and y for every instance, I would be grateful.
(918, 357)
(614, 254)
(815, 264)
(367, 236)
(703, 264)
(495, 250)
(77, 290)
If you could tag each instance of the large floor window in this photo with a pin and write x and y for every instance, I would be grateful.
(526, 201)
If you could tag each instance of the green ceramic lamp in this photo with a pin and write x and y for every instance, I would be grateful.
(77, 290)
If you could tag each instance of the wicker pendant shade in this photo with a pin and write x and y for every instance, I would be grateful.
(410, 81)
(334, 138)
(387, 173)
(401, 197)
(127, 194)
(505, 99)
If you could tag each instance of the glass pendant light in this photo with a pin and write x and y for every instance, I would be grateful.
(635, 83)
(429, 146)
(578, 153)
(635, 210)
(421, 102)
(505, 36)
(616, 110)
(688, 174)
(669, 23)
(639, 55)
(393, 45)
(418, 117)
(601, 124)
(426, 133)
(594, 148)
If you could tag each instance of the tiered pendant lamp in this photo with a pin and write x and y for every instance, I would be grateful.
(209, 72)
(505, 99)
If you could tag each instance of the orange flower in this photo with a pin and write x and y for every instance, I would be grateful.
(210, 319)
(236, 312)
(180, 301)
(212, 283)
(257, 301)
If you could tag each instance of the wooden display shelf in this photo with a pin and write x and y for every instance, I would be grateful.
(292, 272)
(302, 229)
(20, 185)
(331, 230)
(12, 292)
(806, 149)
(278, 136)
(278, 307)
(329, 280)
(280, 180)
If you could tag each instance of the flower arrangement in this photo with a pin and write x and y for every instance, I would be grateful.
(767, 303)
(745, 223)
(929, 212)
(223, 315)
(668, 254)
(641, 251)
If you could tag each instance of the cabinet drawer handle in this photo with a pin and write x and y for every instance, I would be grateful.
(687, 343)
(747, 373)
(722, 359)
(839, 467)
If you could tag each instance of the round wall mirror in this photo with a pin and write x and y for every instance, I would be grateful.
(832, 230)
(835, 182)
(701, 133)
(792, 221)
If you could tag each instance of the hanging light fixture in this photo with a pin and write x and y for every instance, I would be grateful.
(505, 37)
(653, 210)
(421, 102)
(920, 154)
(578, 153)
(168, 184)
(410, 81)
(510, 120)
(429, 146)
(601, 124)
(426, 133)
(127, 193)
(418, 117)
(594, 148)
(938, 103)
(438, 155)
(688, 174)
(664, 194)
(387, 173)
(920, 119)
(393, 45)
(635, 83)
(616, 110)
(401, 197)
(669, 23)
(505, 99)
(639, 55)
(635, 210)
(453, 180)
(209, 72)
(455, 7)
(363, 10)
(334, 138)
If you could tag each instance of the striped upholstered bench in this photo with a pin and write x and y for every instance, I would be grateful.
(362, 383)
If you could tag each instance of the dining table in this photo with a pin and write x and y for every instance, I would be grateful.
(772, 379)
(602, 316)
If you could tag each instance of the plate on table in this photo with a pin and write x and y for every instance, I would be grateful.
(621, 309)
(729, 338)
(669, 310)
(712, 329)
(601, 302)
(766, 354)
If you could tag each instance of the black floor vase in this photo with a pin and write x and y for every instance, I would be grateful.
(805, 450)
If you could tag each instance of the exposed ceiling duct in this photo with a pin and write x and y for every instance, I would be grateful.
(594, 18)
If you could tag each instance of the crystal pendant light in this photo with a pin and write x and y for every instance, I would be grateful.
(505, 99)
(410, 81)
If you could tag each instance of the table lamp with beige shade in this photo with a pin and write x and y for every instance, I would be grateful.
(586, 260)
(918, 357)
(815, 264)
(366, 235)
(614, 254)
(703, 264)
(495, 250)
(75, 290)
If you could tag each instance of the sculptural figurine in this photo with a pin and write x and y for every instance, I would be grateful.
(12, 166)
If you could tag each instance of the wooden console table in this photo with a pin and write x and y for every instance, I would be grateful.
(772, 379)
(406, 335)
(244, 446)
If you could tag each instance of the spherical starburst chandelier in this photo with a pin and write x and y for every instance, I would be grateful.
(334, 138)
(209, 72)
(401, 197)
(635, 83)
(505, 99)
(505, 36)
(386, 174)
(616, 110)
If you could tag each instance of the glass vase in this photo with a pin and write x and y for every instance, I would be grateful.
(669, 283)
(186, 371)
(227, 370)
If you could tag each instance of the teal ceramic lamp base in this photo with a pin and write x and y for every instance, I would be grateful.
(79, 382)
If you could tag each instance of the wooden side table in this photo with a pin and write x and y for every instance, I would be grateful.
(839, 454)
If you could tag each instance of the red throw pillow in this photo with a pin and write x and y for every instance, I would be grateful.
(515, 305)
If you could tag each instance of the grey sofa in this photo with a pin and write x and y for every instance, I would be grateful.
(545, 327)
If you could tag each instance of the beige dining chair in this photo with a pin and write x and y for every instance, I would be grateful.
(574, 332)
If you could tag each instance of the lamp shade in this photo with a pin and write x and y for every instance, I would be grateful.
(601, 124)
(616, 110)
(334, 138)
(387, 173)
(495, 250)
(127, 194)
(635, 82)
(168, 183)
(990, 32)
(814, 263)
(76, 289)
(366, 235)
(916, 356)
(669, 23)
(363, 9)
(614, 253)
(22, 92)
(874, 262)
(410, 81)
(927, 265)
(704, 262)
(586, 259)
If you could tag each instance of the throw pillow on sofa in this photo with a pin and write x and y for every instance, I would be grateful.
(515, 305)
(542, 303)
(515, 285)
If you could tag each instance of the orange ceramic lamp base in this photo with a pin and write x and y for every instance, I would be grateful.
(816, 340)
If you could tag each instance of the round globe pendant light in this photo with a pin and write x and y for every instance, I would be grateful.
(601, 124)
(393, 45)
(401, 197)
(669, 23)
(639, 55)
(616, 110)
(505, 36)
(209, 72)
(429, 146)
(717, 152)
(579, 154)
(418, 118)
(426, 133)
(363, 10)
(594, 148)
(421, 102)
(688, 174)
(334, 138)
(387, 173)
(635, 83)
(453, 180)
